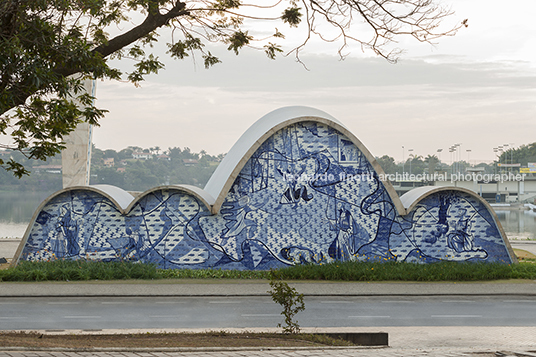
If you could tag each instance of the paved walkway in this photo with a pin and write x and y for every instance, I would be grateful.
(189, 287)
(265, 353)
(529, 246)
(354, 352)
(269, 353)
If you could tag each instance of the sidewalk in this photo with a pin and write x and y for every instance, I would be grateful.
(276, 353)
(215, 287)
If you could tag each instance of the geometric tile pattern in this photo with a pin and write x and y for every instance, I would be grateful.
(307, 195)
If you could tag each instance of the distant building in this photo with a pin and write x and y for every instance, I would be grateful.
(121, 170)
(142, 155)
(109, 162)
(51, 169)
(190, 162)
(163, 157)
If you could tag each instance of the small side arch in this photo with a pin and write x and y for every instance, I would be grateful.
(411, 199)
(119, 197)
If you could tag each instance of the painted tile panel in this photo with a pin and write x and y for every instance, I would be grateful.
(307, 195)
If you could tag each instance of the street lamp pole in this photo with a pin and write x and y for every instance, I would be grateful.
(451, 151)
(468, 151)
(403, 162)
(511, 153)
(459, 158)
(410, 150)
(505, 146)
(495, 150)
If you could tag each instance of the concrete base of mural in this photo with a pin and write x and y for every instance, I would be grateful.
(296, 188)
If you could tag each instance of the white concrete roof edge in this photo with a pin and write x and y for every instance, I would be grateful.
(411, 198)
(222, 179)
(251, 136)
(120, 198)
(197, 192)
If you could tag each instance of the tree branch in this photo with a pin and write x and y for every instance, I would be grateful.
(151, 23)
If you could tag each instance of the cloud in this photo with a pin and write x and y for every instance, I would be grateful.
(425, 103)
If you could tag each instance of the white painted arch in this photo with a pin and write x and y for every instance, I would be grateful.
(222, 179)
(412, 198)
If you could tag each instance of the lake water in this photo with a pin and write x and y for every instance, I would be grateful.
(16, 211)
(18, 208)
(518, 224)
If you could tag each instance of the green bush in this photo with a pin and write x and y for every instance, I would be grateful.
(393, 271)
(290, 300)
(80, 270)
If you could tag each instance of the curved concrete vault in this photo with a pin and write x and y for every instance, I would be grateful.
(297, 187)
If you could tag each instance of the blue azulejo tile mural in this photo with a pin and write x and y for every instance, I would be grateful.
(309, 193)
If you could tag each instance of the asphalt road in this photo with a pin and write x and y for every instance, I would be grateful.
(49, 313)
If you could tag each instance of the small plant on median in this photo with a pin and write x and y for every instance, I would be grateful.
(290, 300)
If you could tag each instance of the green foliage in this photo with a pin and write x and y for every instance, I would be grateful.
(78, 270)
(290, 300)
(209, 60)
(432, 162)
(127, 173)
(336, 271)
(388, 164)
(522, 155)
(227, 4)
(140, 175)
(393, 271)
(271, 50)
(292, 16)
(212, 274)
(180, 48)
(238, 40)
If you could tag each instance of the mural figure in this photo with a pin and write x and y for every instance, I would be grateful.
(309, 193)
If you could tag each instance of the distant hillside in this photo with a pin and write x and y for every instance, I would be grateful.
(132, 169)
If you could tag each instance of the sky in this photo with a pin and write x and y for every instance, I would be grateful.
(476, 89)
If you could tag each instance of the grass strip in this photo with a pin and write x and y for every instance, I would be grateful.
(81, 270)
(393, 271)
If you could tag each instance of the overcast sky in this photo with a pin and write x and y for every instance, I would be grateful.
(477, 88)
